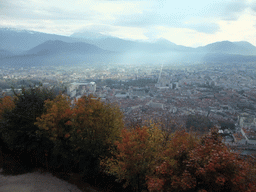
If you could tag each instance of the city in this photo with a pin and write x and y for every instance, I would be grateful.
(223, 93)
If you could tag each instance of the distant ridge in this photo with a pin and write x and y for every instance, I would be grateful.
(241, 48)
(4, 53)
(18, 41)
(31, 48)
(228, 58)
(122, 45)
(60, 47)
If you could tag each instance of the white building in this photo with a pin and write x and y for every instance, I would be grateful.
(75, 89)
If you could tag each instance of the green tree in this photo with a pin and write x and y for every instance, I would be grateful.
(18, 130)
(55, 125)
(198, 123)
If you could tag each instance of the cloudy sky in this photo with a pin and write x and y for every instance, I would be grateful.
(184, 22)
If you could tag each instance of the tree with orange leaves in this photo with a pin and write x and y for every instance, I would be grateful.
(206, 166)
(84, 131)
(97, 127)
(55, 122)
(6, 104)
(168, 175)
(137, 153)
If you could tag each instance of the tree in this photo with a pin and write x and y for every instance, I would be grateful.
(227, 125)
(19, 127)
(137, 153)
(55, 125)
(207, 165)
(168, 175)
(198, 123)
(97, 128)
(84, 131)
(6, 105)
(18, 130)
(215, 168)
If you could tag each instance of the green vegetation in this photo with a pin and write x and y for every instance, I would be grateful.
(198, 123)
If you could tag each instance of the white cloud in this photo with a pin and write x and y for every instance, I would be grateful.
(184, 22)
(242, 29)
(129, 33)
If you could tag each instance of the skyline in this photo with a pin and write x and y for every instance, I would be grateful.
(187, 23)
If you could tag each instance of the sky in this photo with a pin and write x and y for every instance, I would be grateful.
(184, 22)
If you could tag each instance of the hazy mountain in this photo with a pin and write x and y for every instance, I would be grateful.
(29, 48)
(248, 48)
(5, 53)
(60, 47)
(128, 46)
(225, 58)
(60, 53)
(18, 41)
(241, 48)
(164, 44)
(56, 53)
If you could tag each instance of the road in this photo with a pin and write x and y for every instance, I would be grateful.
(35, 182)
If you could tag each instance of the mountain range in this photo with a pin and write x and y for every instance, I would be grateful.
(59, 47)
(21, 47)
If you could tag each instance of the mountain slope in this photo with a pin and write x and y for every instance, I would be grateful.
(228, 58)
(122, 45)
(18, 41)
(59, 53)
(246, 47)
(241, 48)
(4, 53)
(60, 47)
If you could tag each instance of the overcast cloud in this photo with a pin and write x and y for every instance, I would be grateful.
(185, 22)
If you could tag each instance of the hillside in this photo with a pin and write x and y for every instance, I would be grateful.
(4, 53)
(61, 47)
(18, 41)
(227, 47)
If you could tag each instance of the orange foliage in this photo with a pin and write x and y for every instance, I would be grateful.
(55, 123)
(203, 166)
(170, 172)
(6, 104)
(87, 129)
(137, 153)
